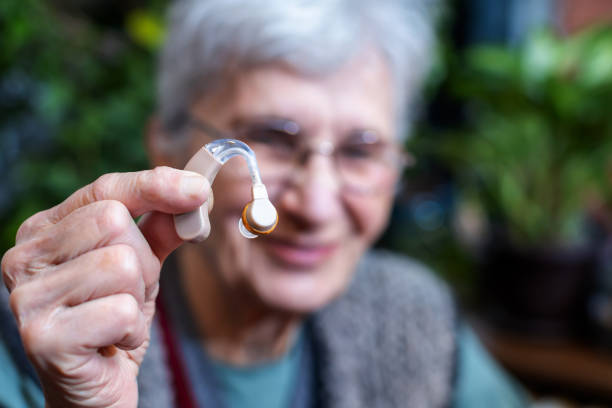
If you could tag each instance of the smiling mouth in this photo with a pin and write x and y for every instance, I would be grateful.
(299, 255)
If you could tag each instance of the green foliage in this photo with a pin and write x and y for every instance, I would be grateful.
(84, 89)
(537, 145)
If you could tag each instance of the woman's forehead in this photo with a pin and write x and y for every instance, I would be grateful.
(359, 94)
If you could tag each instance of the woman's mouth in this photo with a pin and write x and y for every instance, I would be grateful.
(299, 255)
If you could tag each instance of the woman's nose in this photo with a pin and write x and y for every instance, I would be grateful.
(313, 193)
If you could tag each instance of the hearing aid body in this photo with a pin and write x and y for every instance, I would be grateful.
(259, 216)
(194, 226)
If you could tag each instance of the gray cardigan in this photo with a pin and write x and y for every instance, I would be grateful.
(388, 341)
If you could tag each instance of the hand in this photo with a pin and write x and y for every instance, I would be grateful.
(83, 278)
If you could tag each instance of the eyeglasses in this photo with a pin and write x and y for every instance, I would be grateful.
(365, 163)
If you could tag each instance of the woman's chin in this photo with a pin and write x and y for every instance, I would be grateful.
(301, 304)
(303, 292)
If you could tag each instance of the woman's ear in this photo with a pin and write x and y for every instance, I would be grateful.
(159, 145)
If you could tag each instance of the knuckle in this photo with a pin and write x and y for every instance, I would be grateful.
(159, 172)
(13, 261)
(30, 225)
(17, 299)
(101, 186)
(35, 340)
(127, 311)
(128, 263)
(24, 229)
(114, 218)
(155, 182)
(152, 291)
(19, 265)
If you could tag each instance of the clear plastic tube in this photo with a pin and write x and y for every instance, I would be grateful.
(225, 149)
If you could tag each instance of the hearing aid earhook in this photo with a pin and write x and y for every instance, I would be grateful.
(259, 217)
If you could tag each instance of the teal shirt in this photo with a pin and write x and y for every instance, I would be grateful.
(480, 382)
(267, 385)
(17, 390)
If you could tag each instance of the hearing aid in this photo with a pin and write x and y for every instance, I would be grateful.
(259, 217)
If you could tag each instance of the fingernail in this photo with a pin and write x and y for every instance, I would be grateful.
(193, 185)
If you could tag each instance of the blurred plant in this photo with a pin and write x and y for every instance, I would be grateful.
(536, 148)
(74, 97)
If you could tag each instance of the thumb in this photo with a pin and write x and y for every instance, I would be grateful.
(158, 229)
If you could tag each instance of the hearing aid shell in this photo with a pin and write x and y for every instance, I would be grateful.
(194, 226)
(259, 217)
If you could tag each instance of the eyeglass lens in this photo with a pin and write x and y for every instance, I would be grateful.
(364, 162)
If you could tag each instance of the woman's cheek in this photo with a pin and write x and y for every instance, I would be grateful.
(370, 215)
(232, 250)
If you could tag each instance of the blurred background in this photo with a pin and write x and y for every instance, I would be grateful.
(510, 200)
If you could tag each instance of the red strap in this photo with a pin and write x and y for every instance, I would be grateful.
(182, 391)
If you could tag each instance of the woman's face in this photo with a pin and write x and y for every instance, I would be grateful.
(323, 229)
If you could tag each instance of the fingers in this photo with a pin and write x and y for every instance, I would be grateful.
(104, 223)
(111, 320)
(96, 274)
(83, 276)
(158, 229)
(162, 189)
(101, 214)
(118, 318)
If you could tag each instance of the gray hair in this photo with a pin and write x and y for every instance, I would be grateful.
(208, 40)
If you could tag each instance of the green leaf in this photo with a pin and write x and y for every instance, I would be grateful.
(145, 29)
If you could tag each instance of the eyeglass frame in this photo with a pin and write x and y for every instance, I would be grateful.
(325, 148)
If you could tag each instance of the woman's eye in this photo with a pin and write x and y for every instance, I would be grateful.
(271, 139)
(358, 151)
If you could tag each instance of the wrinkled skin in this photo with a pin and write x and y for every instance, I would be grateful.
(85, 261)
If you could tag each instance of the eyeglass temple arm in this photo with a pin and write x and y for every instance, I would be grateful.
(207, 128)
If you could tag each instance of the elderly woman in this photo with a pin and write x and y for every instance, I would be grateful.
(303, 317)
